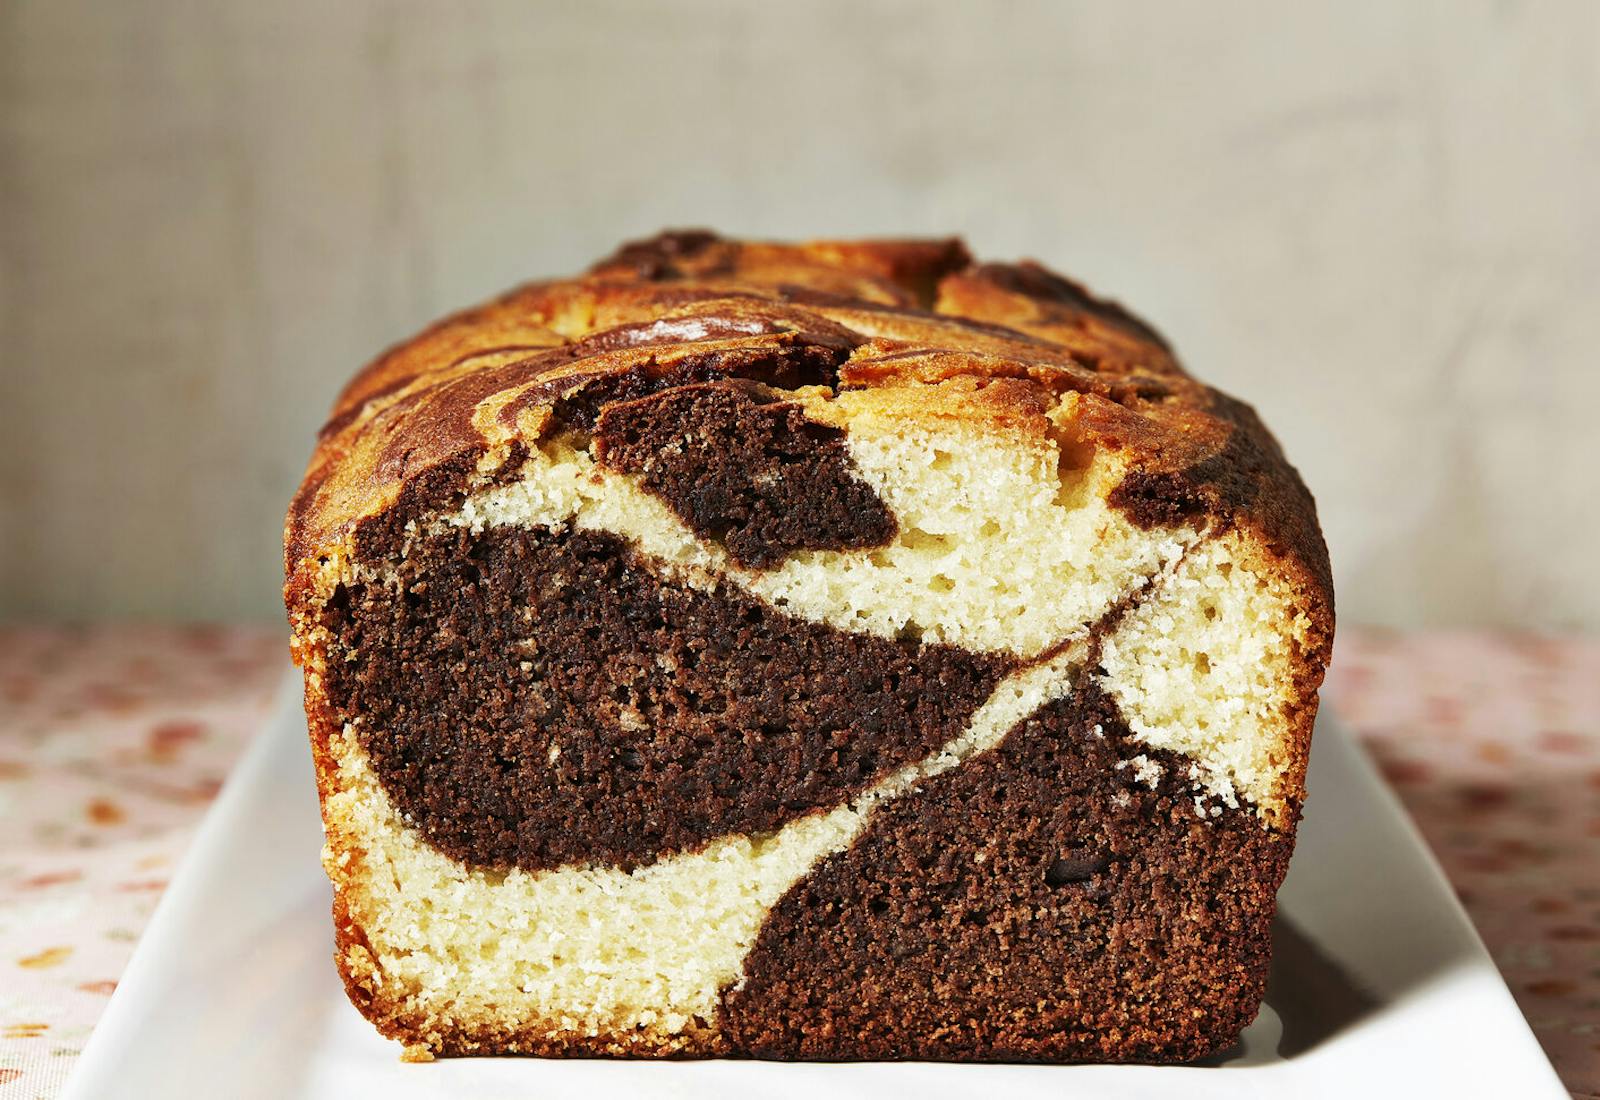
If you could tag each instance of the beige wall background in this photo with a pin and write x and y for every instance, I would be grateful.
(1377, 221)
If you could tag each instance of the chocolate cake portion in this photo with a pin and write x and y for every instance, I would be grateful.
(1058, 899)
(534, 698)
(744, 469)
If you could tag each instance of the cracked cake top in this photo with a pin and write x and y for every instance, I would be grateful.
(936, 334)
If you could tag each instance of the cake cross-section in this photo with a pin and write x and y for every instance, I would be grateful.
(840, 650)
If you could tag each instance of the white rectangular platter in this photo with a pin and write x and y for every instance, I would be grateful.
(1379, 988)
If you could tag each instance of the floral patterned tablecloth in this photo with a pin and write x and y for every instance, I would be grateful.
(113, 740)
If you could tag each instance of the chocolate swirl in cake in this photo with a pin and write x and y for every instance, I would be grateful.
(532, 698)
(1066, 850)
(745, 469)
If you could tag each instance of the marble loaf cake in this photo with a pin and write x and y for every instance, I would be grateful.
(842, 650)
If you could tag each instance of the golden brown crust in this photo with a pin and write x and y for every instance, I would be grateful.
(855, 315)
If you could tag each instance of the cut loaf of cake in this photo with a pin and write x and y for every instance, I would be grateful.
(824, 651)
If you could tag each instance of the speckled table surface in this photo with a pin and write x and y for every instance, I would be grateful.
(113, 740)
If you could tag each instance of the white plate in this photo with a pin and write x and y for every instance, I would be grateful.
(1380, 987)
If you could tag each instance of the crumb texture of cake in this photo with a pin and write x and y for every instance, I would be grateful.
(838, 650)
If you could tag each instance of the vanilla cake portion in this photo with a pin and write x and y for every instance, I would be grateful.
(822, 651)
